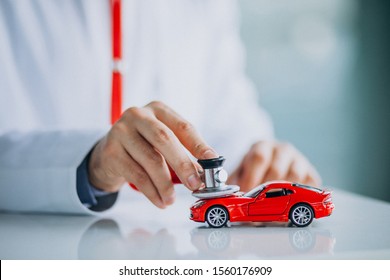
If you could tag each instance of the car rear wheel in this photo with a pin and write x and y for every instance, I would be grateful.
(217, 216)
(301, 215)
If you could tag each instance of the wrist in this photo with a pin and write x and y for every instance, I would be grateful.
(99, 176)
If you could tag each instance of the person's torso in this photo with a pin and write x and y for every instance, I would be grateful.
(55, 60)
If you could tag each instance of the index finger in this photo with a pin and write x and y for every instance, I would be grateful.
(165, 142)
(184, 131)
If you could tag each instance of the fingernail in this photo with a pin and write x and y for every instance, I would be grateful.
(194, 182)
(209, 154)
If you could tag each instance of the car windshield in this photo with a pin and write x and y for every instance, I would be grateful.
(255, 191)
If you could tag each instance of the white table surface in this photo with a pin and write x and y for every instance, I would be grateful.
(134, 229)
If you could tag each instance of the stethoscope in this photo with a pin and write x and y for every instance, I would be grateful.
(214, 176)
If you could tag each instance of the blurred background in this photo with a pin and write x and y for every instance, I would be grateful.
(321, 69)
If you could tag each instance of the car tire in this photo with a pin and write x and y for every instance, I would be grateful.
(217, 216)
(301, 215)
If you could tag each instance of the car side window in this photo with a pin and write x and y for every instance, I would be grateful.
(275, 193)
(288, 191)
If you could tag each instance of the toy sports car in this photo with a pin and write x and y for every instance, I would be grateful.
(272, 201)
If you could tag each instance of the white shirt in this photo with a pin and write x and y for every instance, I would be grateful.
(55, 86)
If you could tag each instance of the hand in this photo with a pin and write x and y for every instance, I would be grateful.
(140, 146)
(268, 161)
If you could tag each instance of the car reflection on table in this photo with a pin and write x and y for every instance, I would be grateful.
(265, 242)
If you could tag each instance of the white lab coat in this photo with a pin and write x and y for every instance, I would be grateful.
(55, 86)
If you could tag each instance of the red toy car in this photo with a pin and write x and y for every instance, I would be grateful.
(272, 201)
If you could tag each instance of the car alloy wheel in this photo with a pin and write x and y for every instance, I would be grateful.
(301, 215)
(217, 216)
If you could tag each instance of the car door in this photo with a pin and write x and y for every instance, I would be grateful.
(270, 202)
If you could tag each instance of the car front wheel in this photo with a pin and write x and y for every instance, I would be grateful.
(217, 216)
(301, 215)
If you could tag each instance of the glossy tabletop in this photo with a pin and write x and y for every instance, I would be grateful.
(134, 229)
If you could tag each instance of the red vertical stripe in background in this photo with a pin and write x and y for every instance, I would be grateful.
(116, 100)
(116, 97)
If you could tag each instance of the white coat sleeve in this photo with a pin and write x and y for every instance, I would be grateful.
(234, 118)
(38, 170)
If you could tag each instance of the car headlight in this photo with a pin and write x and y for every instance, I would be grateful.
(198, 204)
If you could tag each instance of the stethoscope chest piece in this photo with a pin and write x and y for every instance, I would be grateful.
(214, 178)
